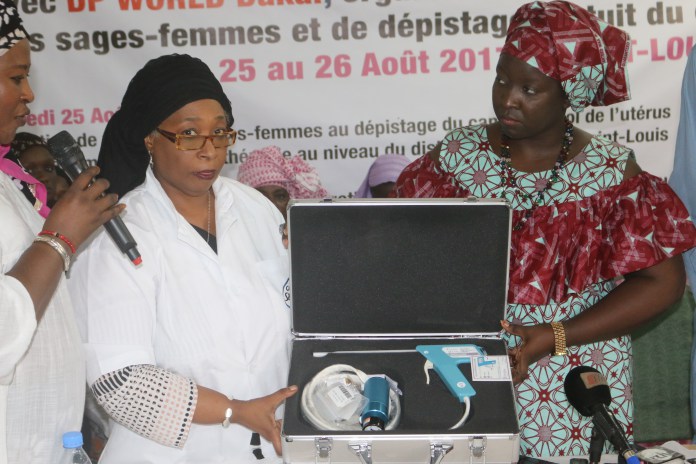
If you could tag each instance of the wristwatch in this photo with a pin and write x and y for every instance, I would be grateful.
(559, 339)
(228, 418)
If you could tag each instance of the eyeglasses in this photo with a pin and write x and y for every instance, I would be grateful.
(196, 142)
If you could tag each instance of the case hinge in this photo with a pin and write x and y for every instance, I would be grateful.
(323, 447)
(363, 451)
(477, 449)
(438, 451)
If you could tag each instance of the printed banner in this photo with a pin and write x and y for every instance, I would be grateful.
(339, 82)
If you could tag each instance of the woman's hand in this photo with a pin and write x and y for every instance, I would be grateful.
(537, 342)
(83, 208)
(76, 215)
(259, 415)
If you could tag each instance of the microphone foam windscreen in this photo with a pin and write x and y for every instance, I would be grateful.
(585, 389)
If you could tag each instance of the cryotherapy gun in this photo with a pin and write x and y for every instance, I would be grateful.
(445, 360)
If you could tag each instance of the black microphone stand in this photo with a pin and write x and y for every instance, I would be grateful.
(597, 441)
(596, 444)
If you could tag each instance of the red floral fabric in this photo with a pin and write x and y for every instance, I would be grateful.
(423, 179)
(622, 229)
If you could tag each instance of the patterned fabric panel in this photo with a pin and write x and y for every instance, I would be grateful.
(149, 401)
(425, 179)
(549, 425)
(467, 154)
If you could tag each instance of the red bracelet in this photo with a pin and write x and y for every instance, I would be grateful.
(61, 237)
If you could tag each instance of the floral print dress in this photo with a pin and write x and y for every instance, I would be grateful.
(588, 229)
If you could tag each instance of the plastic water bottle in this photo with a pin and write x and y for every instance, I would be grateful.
(73, 452)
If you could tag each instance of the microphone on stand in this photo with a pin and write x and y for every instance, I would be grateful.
(588, 392)
(70, 158)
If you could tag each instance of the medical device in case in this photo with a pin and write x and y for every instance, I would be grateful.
(403, 299)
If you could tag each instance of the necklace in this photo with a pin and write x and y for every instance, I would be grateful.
(510, 180)
(207, 229)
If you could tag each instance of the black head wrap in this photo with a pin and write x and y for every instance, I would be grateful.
(11, 29)
(159, 89)
(25, 140)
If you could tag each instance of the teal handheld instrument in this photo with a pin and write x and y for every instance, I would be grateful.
(445, 360)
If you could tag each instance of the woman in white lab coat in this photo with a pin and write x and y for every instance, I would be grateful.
(188, 351)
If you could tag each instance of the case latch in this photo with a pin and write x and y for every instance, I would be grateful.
(438, 452)
(477, 449)
(323, 447)
(363, 451)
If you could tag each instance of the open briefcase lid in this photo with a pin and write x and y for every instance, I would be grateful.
(411, 267)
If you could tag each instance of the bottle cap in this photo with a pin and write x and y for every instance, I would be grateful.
(72, 440)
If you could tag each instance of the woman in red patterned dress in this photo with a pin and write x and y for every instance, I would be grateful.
(596, 242)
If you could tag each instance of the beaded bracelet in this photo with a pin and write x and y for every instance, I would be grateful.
(56, 245)
(62, 237)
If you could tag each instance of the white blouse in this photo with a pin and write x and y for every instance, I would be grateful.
(42, 375)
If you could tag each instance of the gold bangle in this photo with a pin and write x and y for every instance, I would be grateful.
(56, 245)
(559, 339)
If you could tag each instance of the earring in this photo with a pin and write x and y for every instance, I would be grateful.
(151, 162)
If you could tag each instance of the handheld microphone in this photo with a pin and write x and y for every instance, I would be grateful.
(71, 159)
(588, 392)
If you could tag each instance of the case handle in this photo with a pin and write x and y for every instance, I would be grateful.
(363, 451)
(438, 452)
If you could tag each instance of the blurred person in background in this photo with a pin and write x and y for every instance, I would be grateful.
(381, 176)
(279, 178)
(35, 157)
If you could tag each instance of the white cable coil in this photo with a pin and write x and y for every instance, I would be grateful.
(336, 373)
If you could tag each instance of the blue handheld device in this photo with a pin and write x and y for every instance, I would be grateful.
(446, 359)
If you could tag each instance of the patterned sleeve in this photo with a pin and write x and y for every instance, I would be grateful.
(150, 401)
(622, 229)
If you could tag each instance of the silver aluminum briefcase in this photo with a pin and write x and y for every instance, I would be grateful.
(373, 279)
